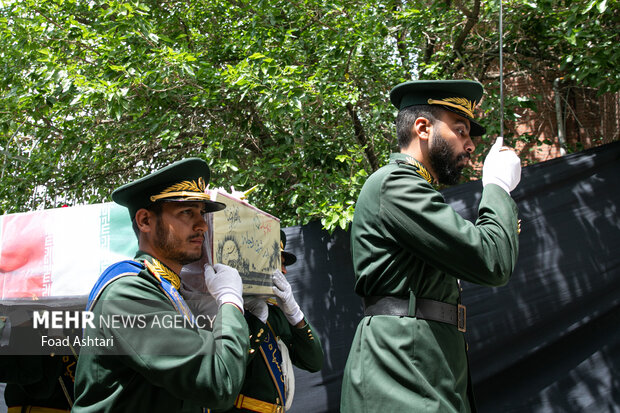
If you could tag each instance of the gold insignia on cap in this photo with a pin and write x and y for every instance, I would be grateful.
(461, 104)
(192, 190)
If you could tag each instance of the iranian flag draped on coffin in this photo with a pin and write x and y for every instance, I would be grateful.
(61, 252)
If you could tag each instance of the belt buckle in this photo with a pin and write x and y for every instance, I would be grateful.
(461, 318)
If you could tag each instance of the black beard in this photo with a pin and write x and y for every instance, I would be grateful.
(171, 246)
(444, 162)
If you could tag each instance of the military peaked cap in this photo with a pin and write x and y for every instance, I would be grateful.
(459, 96)
(184, 180)
(289, 258)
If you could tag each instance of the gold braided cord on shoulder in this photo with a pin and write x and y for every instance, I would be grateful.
(461, 104)
(421, 169)
(160, 271)
(194, 190)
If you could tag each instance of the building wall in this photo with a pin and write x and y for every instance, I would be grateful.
(590, 120)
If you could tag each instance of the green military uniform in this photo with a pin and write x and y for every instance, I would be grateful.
(408, 243)
(259, 392)
(160, 369)
(305, 352)
(160, 363)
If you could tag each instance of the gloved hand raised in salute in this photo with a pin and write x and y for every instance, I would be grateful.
(286, 300)
(501, 167)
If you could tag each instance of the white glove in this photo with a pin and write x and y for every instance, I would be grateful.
(286, 301)
(258, 307)
(224, 284)
(501, 167)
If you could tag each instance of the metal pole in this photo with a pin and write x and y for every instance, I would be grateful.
(558, 115)
(501, 71)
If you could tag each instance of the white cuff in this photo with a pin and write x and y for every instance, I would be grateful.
(230, 298)
(498, 183)
(296, 317)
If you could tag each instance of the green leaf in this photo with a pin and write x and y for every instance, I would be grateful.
(256, 56)
(265, 96)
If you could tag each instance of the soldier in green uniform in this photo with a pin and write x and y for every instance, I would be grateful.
(410, 249)
(278, 328)
(269, 381)
(156, 366)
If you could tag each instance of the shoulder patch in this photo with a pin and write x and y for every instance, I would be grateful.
(113, 272)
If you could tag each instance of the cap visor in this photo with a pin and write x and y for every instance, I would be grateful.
(289, 259)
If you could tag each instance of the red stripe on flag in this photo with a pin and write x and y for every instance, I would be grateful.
(23, 259)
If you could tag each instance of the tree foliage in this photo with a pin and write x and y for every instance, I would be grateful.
(287, 95)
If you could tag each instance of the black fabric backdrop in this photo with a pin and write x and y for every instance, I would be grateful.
(549, 341)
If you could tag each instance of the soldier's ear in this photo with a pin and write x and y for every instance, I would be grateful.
(145, 220)
(422, 128)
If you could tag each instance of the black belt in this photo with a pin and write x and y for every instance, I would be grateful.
(425, 309)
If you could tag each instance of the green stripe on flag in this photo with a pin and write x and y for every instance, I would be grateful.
(123, 241)
(115, 235)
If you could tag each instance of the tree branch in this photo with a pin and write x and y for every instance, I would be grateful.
(400, 38)
(472, 19)
(360, 135)
(429, 49)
